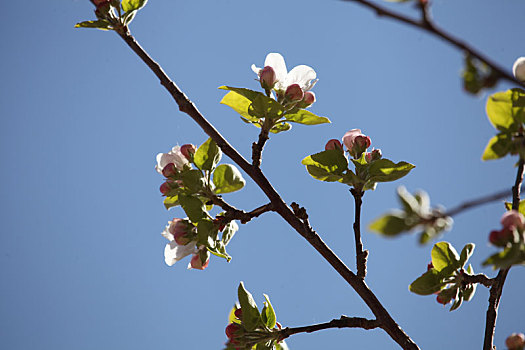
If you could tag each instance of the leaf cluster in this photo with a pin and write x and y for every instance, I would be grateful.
(415, 214)
(114, 15)
(444, 276)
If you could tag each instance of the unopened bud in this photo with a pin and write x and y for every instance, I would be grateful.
(169, 170)
(440, 300)
(100, 2)
(309, 98)
(182, 231)
(500, 238)
(518, 69)
(513, 219)
(200, 260)
(188, 150)
(231, 330)
(267, 78)
(374, 155)
(333, 144)
(294, 93)
(515, 341)
(238, 313)
(356, 142)
(165, 188)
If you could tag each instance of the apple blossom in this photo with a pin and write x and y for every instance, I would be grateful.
(200, 259)
(513, 219)
(515, 341)
(518, 69)
(173, 251)
(182, 230)
(188, 150)
(356, 142)
(169, 170)
(302, 75)
(174, 156)
(294, 93)
(267, 78)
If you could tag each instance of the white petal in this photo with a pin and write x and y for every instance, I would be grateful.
(276, 61)
(256, 69)
(167, 234)
(302, 75)
(174, 252)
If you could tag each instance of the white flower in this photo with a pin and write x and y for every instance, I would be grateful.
(519, 69)
(303, 75)
(173, 252)
(174, 156)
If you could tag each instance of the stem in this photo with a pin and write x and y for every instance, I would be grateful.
(479, 278)
(343, 322)
(257, 147)
(255, 173)
(497, 288)
(360, 254)
(479, 201)
(427, 25)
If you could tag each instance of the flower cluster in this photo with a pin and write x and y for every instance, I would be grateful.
(356, 143)
(513, 223)
(171, 163)
(515, 341)
(291, 87)
(182, 235)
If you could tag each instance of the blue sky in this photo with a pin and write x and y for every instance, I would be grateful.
(81, 255)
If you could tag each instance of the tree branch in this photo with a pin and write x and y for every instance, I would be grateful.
(233, 213)
(186, 106)
(497, 288)
(427, 25)
(343, 322)
(360, 254)
(479, 278)
(478, 201)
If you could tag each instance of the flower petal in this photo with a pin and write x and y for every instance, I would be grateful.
(173, 252)
(167, 234)
(256, 69)
(302, 75)
(276, 61)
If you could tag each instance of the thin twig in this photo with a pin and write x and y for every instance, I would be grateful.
(478, 201)
(360, 254)
(343, 322)
(428, 26)
(499, 280)
(479, 278)
(233, 213)
(186, 106)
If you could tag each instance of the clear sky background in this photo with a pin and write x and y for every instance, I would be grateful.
(81, 255)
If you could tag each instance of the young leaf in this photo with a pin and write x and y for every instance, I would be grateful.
(239, 104)
(327, 165)
(171, 201)
(509, 256)
(229, 231)
(466, 253)
(457, 303)
(208, 155)
(280, 127)
(220, 251)
(428, 283)
(390, 224)
(521, 208)
(227, 178)
(206, 233)
(497, 147)
(193, 180)
(268, 314)
(131, 5)
(506, 110)
(384, 170)
(193, 207)
(444, 255)
(306, 117)
(250, 313)
(265, 107)
(99, 24)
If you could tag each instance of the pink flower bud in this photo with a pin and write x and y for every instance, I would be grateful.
(232, 329)
(165, 188)
(441, 301)
(356, 142)
(500, 238)
(333, 144)
(515, 341)
(169, 170)
(513, 219)
(518, 69)
(188, 150)
(309, 98)
(200, 260)
(294, 93)
(268, 78)
(238, 313)
(182, 231)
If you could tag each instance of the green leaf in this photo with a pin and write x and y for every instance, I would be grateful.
(229, 231)
(428, 283)
(306, 117)
(239, 104)
(327, 165)
(466, 253)
(250, 313)
(99, 24)
(265, 107)
(497, 147)
(206, 233)
(384, 170)
(448, 294)
(512, 255)
(208, 155)
(280, 127)
(171, 201)
(506, 110)
(268, 314)
(444, 255)
(131, 5)
(128, 17)
(227, 178)
(220, 251)
(193, 180)
(193, 207)
(521, 208)
(390, 224)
